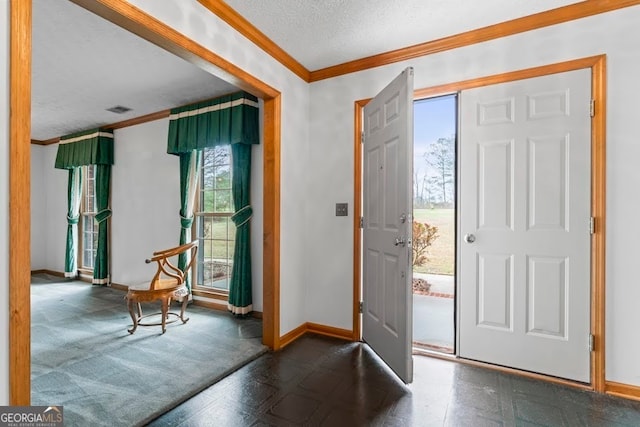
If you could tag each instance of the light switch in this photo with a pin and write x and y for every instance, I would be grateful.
(342, 209)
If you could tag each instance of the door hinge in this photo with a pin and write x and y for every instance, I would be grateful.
(592, 108)
(361, 306)
(591, 340)
(592, 225)
(361, 222)
(362, 137)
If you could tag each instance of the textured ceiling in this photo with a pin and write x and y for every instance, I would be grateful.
(322, 33)
(83, 65)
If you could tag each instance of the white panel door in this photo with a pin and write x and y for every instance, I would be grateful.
(525, 174)
(387, 210)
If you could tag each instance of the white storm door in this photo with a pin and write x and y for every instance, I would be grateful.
(387, 210)
(524, 231)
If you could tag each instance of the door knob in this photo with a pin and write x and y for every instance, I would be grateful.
(400, 241)
(469, 238)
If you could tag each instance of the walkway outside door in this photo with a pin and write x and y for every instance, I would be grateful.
(525, 224)
(387, 210)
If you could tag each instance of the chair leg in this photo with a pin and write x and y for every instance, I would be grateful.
(165, 313)
(131, 305)
(185, 300)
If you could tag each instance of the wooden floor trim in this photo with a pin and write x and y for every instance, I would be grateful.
(622, 390)
(329, 331)
(318, 329)
(293, 335)
(49, 272)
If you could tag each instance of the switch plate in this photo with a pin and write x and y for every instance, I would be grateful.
(342, 209)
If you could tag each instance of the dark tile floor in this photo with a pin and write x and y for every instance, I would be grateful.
(318, 381)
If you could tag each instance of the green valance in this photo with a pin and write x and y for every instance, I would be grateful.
(229, 119)
(92, 147)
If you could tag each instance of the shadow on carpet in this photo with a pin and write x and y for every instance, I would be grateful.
(83, 358)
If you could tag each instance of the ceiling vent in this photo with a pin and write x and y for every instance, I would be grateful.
(119, 109)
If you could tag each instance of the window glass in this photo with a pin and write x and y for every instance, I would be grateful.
(213, 226)
(89, 237)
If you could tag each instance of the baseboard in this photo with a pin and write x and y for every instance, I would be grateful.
(315, 328)
(49, 272)
(293, 335)
(119, 286)
(329, 331)
(211, 295)
(626, 391)
(210, 303)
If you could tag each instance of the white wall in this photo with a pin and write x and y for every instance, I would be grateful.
(55, 205)
(4, 203)
(38, 209)
(145, 200)
(331, 132)
(197, 23)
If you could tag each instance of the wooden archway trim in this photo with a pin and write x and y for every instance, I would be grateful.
(133, 19)
(19, 204)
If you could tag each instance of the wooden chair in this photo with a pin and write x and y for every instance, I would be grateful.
(168, 283)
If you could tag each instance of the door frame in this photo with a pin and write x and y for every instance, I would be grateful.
(140, 23)
(597, 64)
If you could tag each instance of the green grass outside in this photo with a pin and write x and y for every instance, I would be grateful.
(441, 254)
(218, 248)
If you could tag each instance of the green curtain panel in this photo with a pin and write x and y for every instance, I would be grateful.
(92, 147)
(101, 264)
(240, 300)
(230, 119)
(189, 173)
(74, 195)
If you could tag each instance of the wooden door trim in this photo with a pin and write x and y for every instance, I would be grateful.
(129, 17)
(597, 64)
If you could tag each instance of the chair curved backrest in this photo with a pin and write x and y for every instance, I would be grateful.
(165, 268)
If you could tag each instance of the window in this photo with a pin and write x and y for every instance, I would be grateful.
(88, 225)
(213, 226)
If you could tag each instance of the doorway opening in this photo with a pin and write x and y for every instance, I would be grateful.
(434, 223)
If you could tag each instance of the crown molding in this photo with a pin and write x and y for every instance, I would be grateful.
(503, 29)
(45, 142)
(247, 29)
(515, 26)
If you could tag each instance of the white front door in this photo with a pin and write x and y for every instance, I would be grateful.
(524, 227)
(387, 209)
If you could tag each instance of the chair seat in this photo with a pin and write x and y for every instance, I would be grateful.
(167, 284)
(159, 284)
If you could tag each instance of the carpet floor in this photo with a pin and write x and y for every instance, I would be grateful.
(83, 358)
